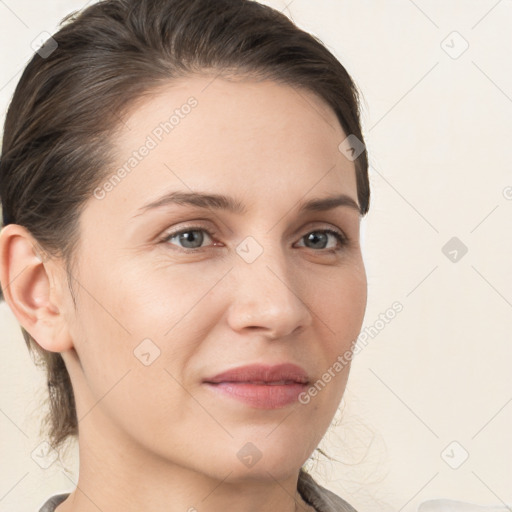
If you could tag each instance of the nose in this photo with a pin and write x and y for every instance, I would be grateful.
(267, 297)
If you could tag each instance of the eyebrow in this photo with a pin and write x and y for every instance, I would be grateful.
(223, 202)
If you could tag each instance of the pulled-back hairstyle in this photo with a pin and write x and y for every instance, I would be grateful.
(60, 125)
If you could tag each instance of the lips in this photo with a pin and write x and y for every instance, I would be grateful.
(281, 374)
(260, 386)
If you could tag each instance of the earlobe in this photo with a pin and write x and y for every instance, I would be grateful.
(26, 280)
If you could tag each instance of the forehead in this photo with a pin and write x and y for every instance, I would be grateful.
(241, 137)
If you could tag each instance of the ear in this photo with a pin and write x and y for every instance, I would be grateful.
(32, 287)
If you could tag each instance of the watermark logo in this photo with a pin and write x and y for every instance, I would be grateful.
(455, 455)
(454, 249)
(44, 455)
(454, 45)
(249, 454)
(249, 249)
(351, 147)
(147, 352)
(44, 44)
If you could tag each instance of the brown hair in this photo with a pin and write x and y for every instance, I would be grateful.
(57, 139)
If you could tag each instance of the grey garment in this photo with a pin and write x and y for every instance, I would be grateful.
(320, 498)
(52, 503)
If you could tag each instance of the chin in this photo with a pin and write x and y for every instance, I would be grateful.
(260, 461)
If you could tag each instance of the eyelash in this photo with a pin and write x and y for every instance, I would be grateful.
(342, 239)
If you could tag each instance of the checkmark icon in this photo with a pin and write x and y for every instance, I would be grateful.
(44, 455)
(147, 351)
(454, 455)
(249, 249)
(454, 45)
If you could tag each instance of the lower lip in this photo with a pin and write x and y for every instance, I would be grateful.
(260, 396)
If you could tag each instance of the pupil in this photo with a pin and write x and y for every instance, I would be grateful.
(186, 239)
(313, 237)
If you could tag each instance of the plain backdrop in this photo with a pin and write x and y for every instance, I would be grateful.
(428, 408)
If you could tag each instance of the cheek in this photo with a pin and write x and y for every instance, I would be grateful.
(341, 302)
(131, 368)
(156, 315)
(340, 305)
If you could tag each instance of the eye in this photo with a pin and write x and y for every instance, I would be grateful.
(313, 238)
(193, 237)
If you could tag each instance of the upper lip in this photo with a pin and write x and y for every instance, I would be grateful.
(262, 373)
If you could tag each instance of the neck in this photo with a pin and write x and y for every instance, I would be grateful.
(115, 473)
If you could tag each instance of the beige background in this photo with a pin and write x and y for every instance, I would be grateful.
(433, 385)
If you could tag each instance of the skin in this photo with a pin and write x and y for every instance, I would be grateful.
(154, 437)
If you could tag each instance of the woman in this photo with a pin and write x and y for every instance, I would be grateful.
(182, 185)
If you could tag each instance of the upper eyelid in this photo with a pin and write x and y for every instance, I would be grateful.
(198, 226)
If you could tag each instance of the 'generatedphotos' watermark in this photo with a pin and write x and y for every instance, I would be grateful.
(151, 142)
(344, 359)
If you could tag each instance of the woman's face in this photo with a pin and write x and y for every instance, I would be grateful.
(158, 313)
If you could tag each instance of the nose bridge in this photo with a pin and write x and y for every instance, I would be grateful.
(267, 291)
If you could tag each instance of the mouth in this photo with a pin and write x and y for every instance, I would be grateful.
(260, 386)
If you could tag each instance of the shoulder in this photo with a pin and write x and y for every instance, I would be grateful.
(322, 499)
(50, 504)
